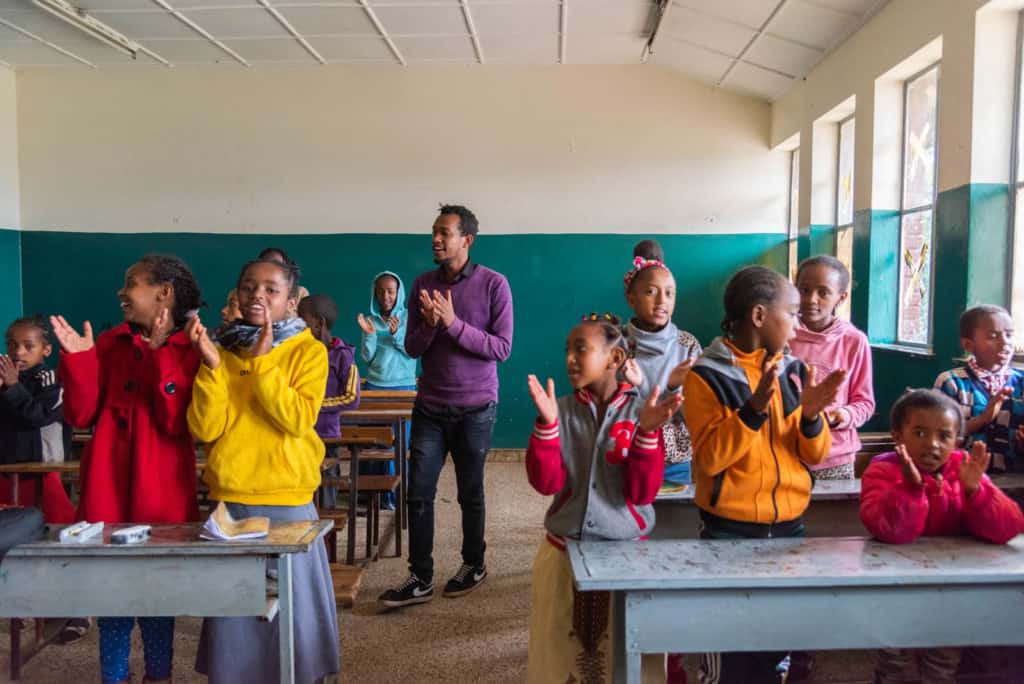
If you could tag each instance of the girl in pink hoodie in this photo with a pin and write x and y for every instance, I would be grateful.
(927, 487)
(827, 343)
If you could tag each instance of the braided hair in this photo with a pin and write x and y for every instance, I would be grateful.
(35, 321)
(611, 326)
(750, 286)
(914, 399)
(175, 272)
(291, 271)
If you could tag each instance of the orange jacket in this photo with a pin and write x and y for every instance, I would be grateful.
(751, 467)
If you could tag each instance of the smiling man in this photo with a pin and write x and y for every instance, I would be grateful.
(460, 324)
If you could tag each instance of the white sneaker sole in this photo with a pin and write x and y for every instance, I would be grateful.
(407, 602)
(463, 592)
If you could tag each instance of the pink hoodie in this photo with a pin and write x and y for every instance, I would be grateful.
(840, 346)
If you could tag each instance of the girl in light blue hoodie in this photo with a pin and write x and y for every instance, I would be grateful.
(383, 349)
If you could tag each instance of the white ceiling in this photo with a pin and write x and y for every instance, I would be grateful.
(756, 47)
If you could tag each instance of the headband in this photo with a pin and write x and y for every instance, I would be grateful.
(640, 265)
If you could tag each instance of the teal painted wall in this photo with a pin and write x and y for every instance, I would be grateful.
(822, 239)
(10, 280)
(554, 278)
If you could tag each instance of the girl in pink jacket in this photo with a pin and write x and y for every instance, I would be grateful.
(827, 343)
(927, 487)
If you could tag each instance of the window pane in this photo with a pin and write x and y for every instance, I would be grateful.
(844, 252)
(915, 278)
(1017, 301)
(844, 193)
(794, 192)
(1020, 122)
(792, 260)
(919, 140)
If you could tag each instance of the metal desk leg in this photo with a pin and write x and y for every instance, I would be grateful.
(286, 618)
(353, 496)
(625, 665)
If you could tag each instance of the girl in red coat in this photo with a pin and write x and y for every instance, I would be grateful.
(133, 387)
(927, 487)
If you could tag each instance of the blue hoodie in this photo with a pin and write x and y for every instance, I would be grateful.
(387, 363)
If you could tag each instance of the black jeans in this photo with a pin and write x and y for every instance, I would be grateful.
(465, 432)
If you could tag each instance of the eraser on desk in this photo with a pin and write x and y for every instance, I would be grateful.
(131, 535)
(81, 532)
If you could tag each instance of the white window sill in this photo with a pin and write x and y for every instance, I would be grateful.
(920, 352)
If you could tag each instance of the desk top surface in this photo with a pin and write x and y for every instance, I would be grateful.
(183, 540)
(779, 563)
(357, 414)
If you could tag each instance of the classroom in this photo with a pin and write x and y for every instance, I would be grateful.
(649, 512)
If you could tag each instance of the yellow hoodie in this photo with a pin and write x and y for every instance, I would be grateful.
(257, 413)
(751, 467)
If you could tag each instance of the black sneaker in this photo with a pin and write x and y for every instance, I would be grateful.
(468, 578)
(411, 591)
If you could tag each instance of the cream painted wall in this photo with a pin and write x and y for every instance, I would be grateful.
(10, 213)
(374, 149)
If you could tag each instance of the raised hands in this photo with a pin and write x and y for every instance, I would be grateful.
(973, 467)
(815, 398)
(543, 399)
(70, 341)
(197, 335)
(430, 316)
(393, 323)
(995, 404)
(163, 326)
(365, 324)
(631, 372)
(679, 373)
(911, 475)
(265, 342)
(8, 371)
(444, 307)
(765, 387)
(656, 413)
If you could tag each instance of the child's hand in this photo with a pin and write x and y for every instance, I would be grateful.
(70, 341)
(765, 387)
(265, 342)
(816, 397)
(1020, 437)
(444, 307)
(973, 468)
(393, 323)
(911, 475)
(162, 327)
(8, 371)
(631, 372)
(544, 400)
(365, 324)
(427, 309)
(995, 404)
(837, 417)
(679, 373)
(196, 332)
(656, 413)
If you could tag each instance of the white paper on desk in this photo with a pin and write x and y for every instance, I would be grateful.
(220, 526)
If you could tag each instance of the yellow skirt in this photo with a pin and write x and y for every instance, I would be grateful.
(556, 653)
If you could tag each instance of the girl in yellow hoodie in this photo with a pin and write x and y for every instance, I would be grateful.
(754, 415)
(255, 401)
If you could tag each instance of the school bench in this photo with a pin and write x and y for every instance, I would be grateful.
(808, 594)
(174, 573)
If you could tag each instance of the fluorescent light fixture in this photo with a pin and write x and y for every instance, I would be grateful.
(83, 22)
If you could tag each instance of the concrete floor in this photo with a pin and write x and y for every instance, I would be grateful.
(480, 637)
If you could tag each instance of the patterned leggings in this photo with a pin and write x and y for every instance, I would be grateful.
(116, 645)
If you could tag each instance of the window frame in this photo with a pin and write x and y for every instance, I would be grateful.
(1016, 184)
(841, 228)
(793, 214)
(904, 211)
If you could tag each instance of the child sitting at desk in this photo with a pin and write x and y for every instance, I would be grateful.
(928, 487)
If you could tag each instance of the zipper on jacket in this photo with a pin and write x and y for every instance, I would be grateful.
(716, 491)
(778, 471)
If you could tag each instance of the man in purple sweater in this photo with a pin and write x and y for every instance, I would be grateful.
(460, 324)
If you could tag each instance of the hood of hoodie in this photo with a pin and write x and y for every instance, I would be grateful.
(338, 343)
(399, 309)
(834, 331)
(657, 353)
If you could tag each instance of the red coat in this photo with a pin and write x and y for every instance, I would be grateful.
(140, 465)
(899, 513)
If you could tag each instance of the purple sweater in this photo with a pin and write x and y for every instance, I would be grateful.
(342, 388)
(460, 363)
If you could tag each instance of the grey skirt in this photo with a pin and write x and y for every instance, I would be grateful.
(245, 649)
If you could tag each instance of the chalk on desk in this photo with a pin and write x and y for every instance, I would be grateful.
(81, 532)
(131, 535)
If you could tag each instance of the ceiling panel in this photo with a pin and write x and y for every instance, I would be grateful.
(688, 59)
(809, 24)
(42, 24)
(26, 53)
(237, 23)
(422, 20)
(518, 19)
(271, 50)
(527, 49)
(197, 51)
(629, 17)
(750, 13)
(379, 3)
(353, 48)
(609, 49)
(757, 81)
(707, 31)
(436, 49)
(314, 21)
(140, 25)
(782, 55)
(852, 7)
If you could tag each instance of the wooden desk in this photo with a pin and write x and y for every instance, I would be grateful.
(175, 573)
(397, 419)
(809, 594)
(17, 470)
